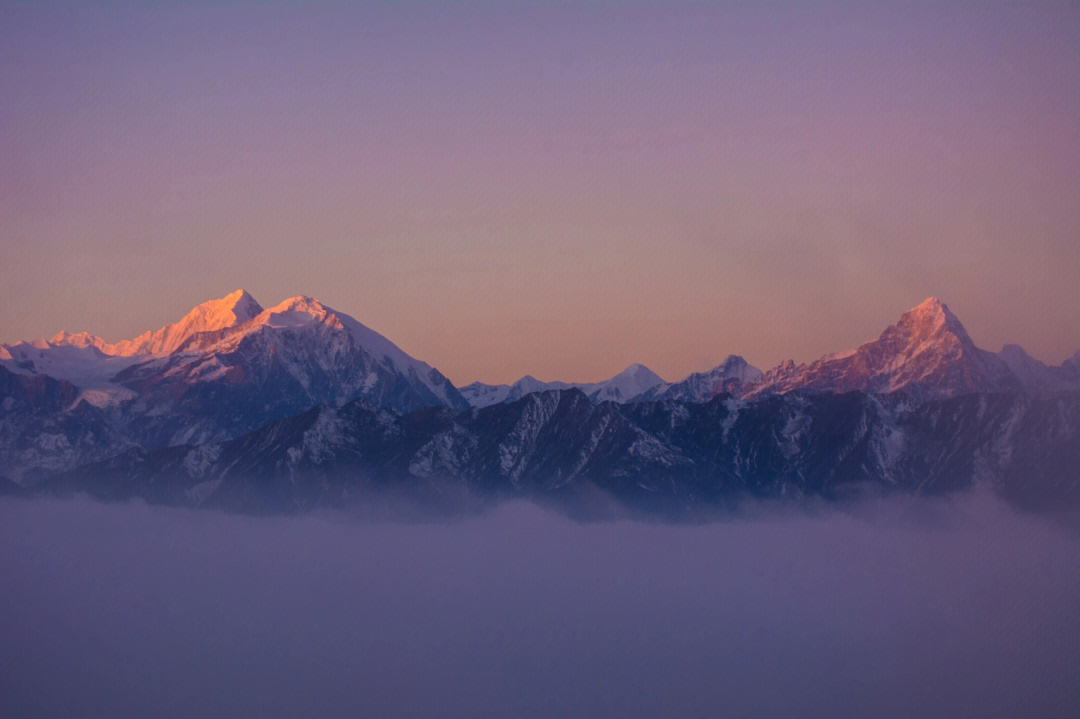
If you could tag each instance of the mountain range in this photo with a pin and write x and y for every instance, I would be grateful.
(927, 353)
(236, 405)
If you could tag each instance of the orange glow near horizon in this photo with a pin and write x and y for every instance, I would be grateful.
(500, 196)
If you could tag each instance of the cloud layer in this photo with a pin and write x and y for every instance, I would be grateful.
(900, 609)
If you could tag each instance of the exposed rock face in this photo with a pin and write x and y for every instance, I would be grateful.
(635, 382)
(44, 428)
(732, 376)
(668, 457)
(927, 352)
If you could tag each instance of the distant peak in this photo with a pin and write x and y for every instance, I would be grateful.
(931, 304)
(735, 367)
(301, 303)
(1013, 350)
(1020, 362)
(931, 309)
(233, 309)
(296, 311)
(78, 339)
(639, 370)
(528, 384)
(242, 304)
(930, 317)
(241, 299)
(733, 361)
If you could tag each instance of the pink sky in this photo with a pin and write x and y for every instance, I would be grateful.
(555, 190)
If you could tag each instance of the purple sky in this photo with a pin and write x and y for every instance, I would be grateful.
(559, 190)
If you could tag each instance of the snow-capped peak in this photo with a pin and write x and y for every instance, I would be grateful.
(325, 337)
(233, 309)
(631, 382)
(82, 340)
(927, 349)
(295, 312)
(303, 310)
(732, 375)
(638, 372)
(1038, 377)
(930, 317)
(735, 367)
(529, 384)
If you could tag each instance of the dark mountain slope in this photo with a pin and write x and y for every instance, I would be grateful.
(668, 457)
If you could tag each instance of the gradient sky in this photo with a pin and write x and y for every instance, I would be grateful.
(553, 189)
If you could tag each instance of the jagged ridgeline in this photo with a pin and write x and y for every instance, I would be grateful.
(301, 406)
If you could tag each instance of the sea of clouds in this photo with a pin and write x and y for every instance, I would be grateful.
(898, 608)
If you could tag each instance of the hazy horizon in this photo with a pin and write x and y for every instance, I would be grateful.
(550, 190)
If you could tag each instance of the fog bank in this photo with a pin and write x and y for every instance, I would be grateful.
(948, 609)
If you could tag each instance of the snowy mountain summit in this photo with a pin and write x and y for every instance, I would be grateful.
(927, 352)
(732, 376)
(305, 349)
(230, 366)
(226, 367)
(233, 309)
(631, 383)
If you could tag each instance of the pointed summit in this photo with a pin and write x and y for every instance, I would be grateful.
(637, 375)
(931, 305)
(1037, 377)
(242, 305)
(731, 376)
(928, 327)
(232, 309)
(639, 370)
(318, 354)
(929, 311)
(1032, 374)
(632, 382)
(927, 351)
(930, 317)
